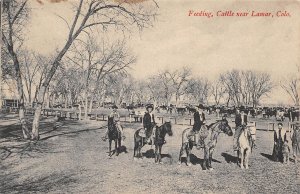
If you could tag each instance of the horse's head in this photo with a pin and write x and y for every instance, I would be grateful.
(168, 128)
(225, 128)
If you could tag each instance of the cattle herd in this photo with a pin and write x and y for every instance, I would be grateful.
(280, 113)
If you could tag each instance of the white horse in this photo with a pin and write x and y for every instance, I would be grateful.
(245, 143)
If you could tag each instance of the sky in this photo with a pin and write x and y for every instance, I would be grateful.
(209, 46)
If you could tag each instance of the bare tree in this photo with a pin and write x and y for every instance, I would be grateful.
(260, 84)
(245, 87)
(166, 87)
(198, 90)
(91, 13)
(232, 83)
(291, 85)
(15, 14)
(218, 91)
(32, 69)
(97, 62)
(141, 91)
(180, 78)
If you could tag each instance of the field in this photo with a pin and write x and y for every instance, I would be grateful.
(72, 158)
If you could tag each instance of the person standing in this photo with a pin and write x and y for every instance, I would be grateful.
(279, 139)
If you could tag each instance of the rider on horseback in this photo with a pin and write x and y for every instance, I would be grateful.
(114, 114)
(199, 121)
(240, 125)
(149, 122)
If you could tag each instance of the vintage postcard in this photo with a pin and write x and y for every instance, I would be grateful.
(149, 96)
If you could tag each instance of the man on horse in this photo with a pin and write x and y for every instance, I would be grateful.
(116, 116)
(199, 121)
(149, 122)
(241, 120)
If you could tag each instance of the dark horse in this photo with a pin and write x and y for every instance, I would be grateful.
(159, 140)
(113, 134)
(208, 142)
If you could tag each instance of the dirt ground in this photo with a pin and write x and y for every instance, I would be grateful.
(72, 158)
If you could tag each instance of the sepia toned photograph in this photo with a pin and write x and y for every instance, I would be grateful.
(150, 96)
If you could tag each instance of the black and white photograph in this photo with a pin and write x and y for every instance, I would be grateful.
(150, 96)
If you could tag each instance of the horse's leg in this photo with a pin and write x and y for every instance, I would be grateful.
(116, 147)
(156, 153)
(238, 157)
(159, 153)
(242, 157)
(134, 149)
(109, 149)
(140, 147)
(210, 157)
(139, 150)
(188, 152)
(206, 158)
(119, 143)
(247, 154)
(180, 153)
(136, 145)
(297, 150)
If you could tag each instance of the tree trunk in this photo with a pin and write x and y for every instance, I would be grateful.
(86, 108)
(66, 101)
(37, 113)
(91, 105)
(48, 99)
(26, 133)
(42, 91)
(79, 107)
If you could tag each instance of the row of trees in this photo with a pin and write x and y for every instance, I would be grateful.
(88, 14)
(234, 87)
(89, 67)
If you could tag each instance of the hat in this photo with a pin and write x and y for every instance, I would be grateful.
(200, 106)
(114, 107)
(149, 106)
(280, 124)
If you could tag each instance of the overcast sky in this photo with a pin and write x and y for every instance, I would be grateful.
(208, 45)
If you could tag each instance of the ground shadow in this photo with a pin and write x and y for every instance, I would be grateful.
(229, 158)
(270, 157)
(151, 154)
(123, 149)
(42, 184)
(195, 160)
(72, 132)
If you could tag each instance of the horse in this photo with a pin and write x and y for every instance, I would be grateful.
(209, 142)
(113, 134)
(245, 145)
(295, 137)
(159, 139)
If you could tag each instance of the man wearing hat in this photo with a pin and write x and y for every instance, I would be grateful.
(116, 116)
(148, 122)
(240, 124)
(279, 139)
(199, 120)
